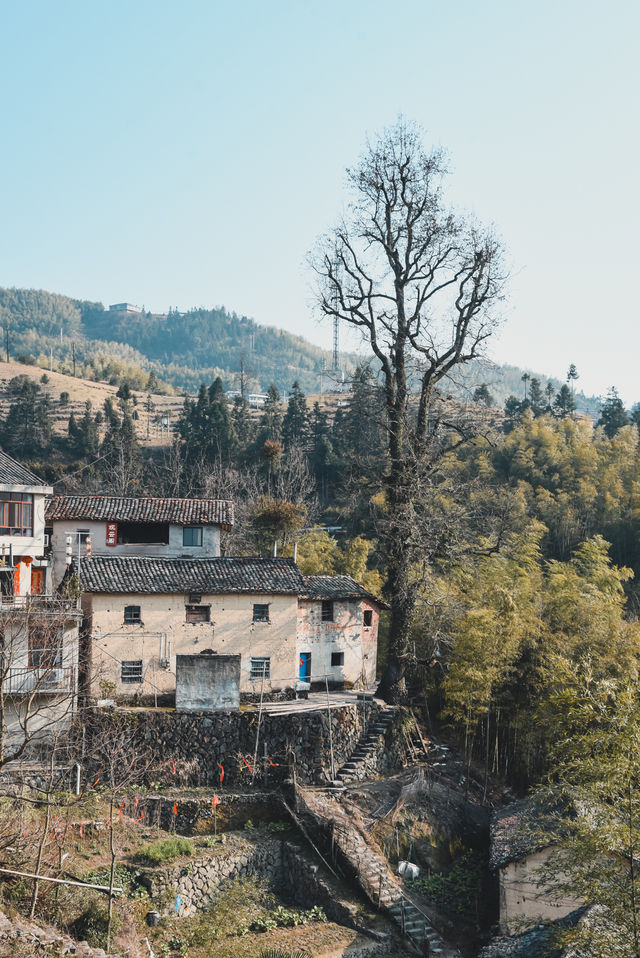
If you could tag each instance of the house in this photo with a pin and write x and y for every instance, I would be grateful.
(518, 851)
(337, 630)
(143, 611)
(119, 526)
(39, 654)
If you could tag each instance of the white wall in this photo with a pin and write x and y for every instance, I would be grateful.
(98, 531)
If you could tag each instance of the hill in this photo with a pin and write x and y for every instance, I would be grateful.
(82, 338)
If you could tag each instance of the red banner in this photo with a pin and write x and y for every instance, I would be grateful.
(112, 534)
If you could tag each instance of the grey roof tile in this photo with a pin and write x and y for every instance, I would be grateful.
(146, 509)
(336, 587)
(15, 474)
(218, 576)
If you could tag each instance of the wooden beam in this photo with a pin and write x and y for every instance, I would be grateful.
(62, 881)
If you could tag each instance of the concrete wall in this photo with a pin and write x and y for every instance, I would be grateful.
(524, 903)
(50, 712)
(347, 634)
(164, 633)
(98, 530)
(28, 545)
(205, 683)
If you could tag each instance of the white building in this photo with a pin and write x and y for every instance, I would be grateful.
(120, 526)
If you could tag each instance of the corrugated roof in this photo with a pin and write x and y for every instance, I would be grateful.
(148, 509)
(14, 474)
(219, 576)
(336, 587)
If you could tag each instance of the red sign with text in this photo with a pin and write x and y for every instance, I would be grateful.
(112, 533)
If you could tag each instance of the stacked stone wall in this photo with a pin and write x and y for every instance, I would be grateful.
(197, 743)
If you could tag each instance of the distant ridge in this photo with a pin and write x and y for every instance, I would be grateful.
(188, 348)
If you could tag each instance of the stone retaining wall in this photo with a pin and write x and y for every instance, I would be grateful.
(199, 880)
(197, 742)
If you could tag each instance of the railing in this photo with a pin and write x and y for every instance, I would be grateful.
(45, 681)
(41, 604)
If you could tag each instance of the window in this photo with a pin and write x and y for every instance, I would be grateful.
(327, 610)
(16, 514)
(140, 532)
(132, 615)
(260, 612)
(45, 647)
(192, 536)
(195, 598)
(368, 618)
(260, 665)
(337, 658)
(131, 671)
(198, 613)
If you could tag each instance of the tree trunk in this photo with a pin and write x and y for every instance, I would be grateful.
(41, 844)
(112, 872)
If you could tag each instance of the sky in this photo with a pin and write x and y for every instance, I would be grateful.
(190, 154)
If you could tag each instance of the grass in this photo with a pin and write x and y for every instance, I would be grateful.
(166, 850)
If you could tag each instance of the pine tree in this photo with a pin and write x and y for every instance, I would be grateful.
(612, 414)
(295, 425)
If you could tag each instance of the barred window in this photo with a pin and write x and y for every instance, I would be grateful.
(260, 665)
(327, 610)
(131, 671)
(337, 658)
(132, 615)
(368, 618)
(260, 612)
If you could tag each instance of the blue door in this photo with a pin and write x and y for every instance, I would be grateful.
(305, 666)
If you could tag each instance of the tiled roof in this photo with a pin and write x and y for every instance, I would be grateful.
(336, 587)
(118, 509)
(513, 834)
(536, 942)
(14, 474)
(219, 576)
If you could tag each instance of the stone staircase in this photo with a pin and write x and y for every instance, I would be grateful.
(373, 874)
(362, 761)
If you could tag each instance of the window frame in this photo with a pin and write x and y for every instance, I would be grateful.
(129, 617)
(192, 545)
(193, 609)
(44, 648)
(254, 674)
(327, 611)
(20, 507)
(340, 663)
(258, 617)
(132, 677)
(367, 615)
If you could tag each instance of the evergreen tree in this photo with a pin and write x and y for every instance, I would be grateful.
(87, 436)
(482, 396)
(536, 397)
(243, 424)
(295, 425)
(27, 430)
(270, 426)
(564, 404)
(612, 414)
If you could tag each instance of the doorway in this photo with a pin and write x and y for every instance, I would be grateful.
(305, 667)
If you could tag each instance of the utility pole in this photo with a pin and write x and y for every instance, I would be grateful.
(6, 335)
(73, 358)
(242, 378)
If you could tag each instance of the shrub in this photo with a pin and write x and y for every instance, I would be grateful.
(64, 398)
(91, 925)
(164, 851)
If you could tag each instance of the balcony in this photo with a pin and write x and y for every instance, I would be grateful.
(54, 681)
(48, 605)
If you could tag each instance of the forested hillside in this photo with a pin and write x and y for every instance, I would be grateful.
(186, 349)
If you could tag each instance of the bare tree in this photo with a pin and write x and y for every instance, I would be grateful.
(38, 671)
(122, 763)
(421, 284)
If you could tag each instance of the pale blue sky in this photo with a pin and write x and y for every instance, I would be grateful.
(189, 154)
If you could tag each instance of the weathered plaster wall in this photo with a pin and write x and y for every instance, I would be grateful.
(207, 682)
(164, 633)
(523, 902)
(98, 530)
(347, 634)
